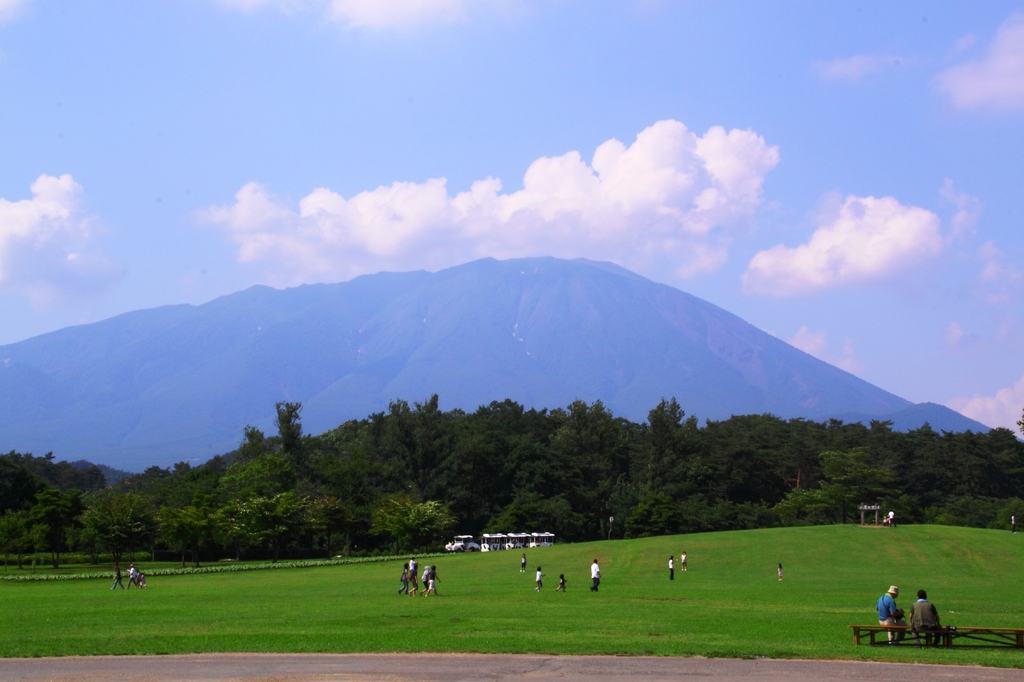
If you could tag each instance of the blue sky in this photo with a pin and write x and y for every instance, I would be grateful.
(846, 177)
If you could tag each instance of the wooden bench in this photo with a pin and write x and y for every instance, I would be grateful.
(948, 636)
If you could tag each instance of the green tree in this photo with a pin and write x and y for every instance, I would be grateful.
(849, 480)
(14, 535)
(231, 530)
(186, 530)
(328, 516)
(265, 476)
(274, 520)
(410, 524)
(54, 513)
(121, 523)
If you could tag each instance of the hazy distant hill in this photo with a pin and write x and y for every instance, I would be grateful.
(177, 382)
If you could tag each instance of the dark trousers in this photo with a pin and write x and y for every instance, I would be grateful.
(597, 581)
(671, 574)
(935, 630)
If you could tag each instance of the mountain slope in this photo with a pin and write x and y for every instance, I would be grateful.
(181, 381)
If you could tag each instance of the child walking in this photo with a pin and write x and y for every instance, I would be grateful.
(404, 589)
(539, 583)
(682, 561)
(780, 573)
(117, 578)
(522, 564)
(561, 583)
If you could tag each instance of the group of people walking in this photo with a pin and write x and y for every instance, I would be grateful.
(136, 578)
(410, 576)
(924, 617)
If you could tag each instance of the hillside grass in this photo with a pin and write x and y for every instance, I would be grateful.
(729, 603)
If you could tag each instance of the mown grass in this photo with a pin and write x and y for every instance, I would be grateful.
(730, 602)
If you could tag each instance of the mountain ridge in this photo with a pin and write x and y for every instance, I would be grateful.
(181, 381)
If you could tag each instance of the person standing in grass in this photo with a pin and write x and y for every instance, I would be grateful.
(561, 583)
(405, 579)
(117, 577)
(890, 614)
(540, 584)
(780, 573)
(1013, 523)
(671, 568)
(682, 561)
(595, 576)
(522, 564)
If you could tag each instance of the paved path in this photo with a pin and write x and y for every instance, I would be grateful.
(462, 667)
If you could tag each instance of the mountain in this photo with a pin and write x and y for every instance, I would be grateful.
(181, 382)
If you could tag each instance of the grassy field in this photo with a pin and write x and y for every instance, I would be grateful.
(730, 602)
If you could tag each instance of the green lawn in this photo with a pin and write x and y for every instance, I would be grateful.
(730, 602)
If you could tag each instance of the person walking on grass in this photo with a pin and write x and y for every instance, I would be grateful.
(142, 580)
(671, 568)
(1013, 523)
(430, 581)
(890, 614)
(682, 561)
(780, 573)
(117, 577)
(413, 567)
(404, 589)
(540, 584)
(522, 564)
(561, 583)
(595, 576)
(133, 576)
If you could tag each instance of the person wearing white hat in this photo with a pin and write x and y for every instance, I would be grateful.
(890, 614)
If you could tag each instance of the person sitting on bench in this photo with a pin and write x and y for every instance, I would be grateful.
(890, 614)
(924, 617)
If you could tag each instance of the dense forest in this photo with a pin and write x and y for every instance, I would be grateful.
(406, 478)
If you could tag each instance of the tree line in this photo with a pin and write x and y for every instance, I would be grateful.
(403, 478)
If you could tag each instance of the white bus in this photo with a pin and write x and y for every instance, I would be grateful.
(493, 542)
(517, 540)
(542, 539)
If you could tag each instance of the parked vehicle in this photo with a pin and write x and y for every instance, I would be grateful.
(542, 539)
(492, 542)
(517, 541)
(462, 543)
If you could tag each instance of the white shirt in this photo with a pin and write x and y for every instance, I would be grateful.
(671, 564)
(595, 571)
(538, 575)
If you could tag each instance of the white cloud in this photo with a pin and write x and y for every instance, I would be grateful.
(812, 343)
(868, 240)
(856, 67)
(11, 9)
(968, 208)
(1003, 409)
(995, 81)
(44, 243)
(373, 14)
(954, 334)
(816, 343)
(666, 204)
(999, 282)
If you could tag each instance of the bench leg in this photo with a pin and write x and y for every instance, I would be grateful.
(856, 636)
